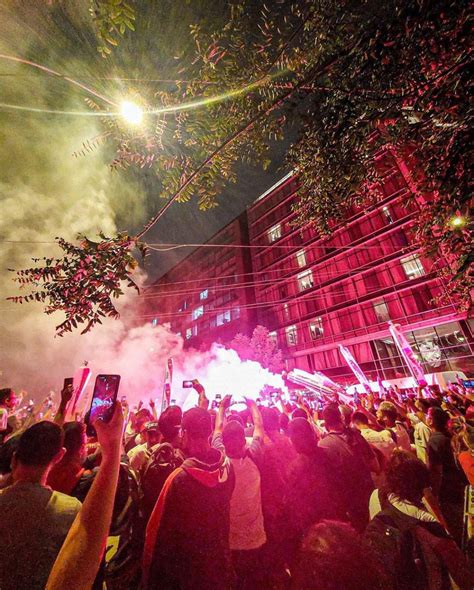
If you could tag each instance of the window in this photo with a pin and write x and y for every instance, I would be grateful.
(154, 322)
(291, 335)
(236, 313)
(274, 233)
(286, 311)
(412, 266)
(301, 258)
(273, 337)
(223, 318)
(305, 280)
(381, 311)
(198, 312)
(387, 214)
(184, 306)
(189, 333)
(316, 328)
(204, 294)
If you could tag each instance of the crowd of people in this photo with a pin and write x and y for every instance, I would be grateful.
(324, 495)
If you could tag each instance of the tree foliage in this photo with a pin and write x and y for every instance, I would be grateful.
(260, 347)
(83, 283)
(112, 19)
(339, 71)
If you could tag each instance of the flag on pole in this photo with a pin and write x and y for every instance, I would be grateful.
(79, 384)
(407, 353)
(165, 402)
(358, 372)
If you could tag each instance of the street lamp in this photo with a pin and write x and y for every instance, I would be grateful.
(457, 221)
(131, 112)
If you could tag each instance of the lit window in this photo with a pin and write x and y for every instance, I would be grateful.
(236, 313)
(274, 233)
(291, 335)
(412, 266)
(301, 258)
(286, 311)
(305, 280)
(387, 214)
(198, 312)
(154, 322)
(223, 318)
(184, 305)
(189, 333)
(381, 311)
(316, 328)
(204, 294)
(273, 337)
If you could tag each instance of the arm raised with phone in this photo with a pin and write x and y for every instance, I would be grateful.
(79, 559)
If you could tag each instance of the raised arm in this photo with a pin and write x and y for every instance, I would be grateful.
(258, 430)
(79, 559)
(66, 395)
(203, 401)
(220, 418)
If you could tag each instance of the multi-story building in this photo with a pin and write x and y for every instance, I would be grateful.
(315, 293)
(208, 296)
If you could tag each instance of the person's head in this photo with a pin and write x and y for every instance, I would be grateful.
(303, 436)
(169, 424)
(332, 418)
(407, 477)
(75, 440)
(271, 420)
(39, 448)
(299, 413)
(7, 398)
(233, 437)
(7, 450)
(234, 417)
(197, 428)
(141, 418)
(152, 433)
(334, 557)
(438, 419)
(360, 420)
(422, 405)
(387, 414)
(284, 422)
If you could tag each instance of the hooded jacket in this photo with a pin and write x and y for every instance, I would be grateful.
(187, 537)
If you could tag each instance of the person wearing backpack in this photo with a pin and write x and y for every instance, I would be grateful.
(164, 458)
(413, 547)
(247, 533)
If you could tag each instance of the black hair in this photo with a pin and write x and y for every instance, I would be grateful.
(39, 444)
(299, 413)
(360, 417)
(303, 436)
(169, 422)
(407, 477)
(271, 419)
(73, 436)
(197, 423)
(440, 419)
(332, 416)
(233, 437)
(5, 393)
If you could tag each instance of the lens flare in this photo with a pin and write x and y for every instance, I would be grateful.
(457, 221)
(131, 112)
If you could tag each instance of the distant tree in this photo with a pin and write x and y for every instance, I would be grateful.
(260, 347)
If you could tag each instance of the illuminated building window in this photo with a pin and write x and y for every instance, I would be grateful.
(223, 318)
(286, 311)
(204, 294)
(235, 313)
(273, 337)
(154, 322)
(381, 311)
(198, 312)
(387, 214)
(316, 328)
(301, 258)
(189, 333)
(412, 266)
(274, 233)
(291, 335)
(305, 280)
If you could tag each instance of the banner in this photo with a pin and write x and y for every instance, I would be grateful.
(317, 382)
(358, 372)
(407, 353)
(165, 402)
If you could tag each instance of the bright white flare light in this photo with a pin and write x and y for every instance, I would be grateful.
(131, 112)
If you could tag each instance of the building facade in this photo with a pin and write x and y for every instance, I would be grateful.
(208, 296)
(316, 293)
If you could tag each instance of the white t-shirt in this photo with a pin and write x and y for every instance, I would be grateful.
(382, 440)
(246, 516)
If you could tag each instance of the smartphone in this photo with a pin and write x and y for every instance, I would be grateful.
(218, 397)
(188, 384)
(68, 382)
(103, 399)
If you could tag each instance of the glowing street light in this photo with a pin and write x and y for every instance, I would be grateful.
(457, 221)
(131, 112)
